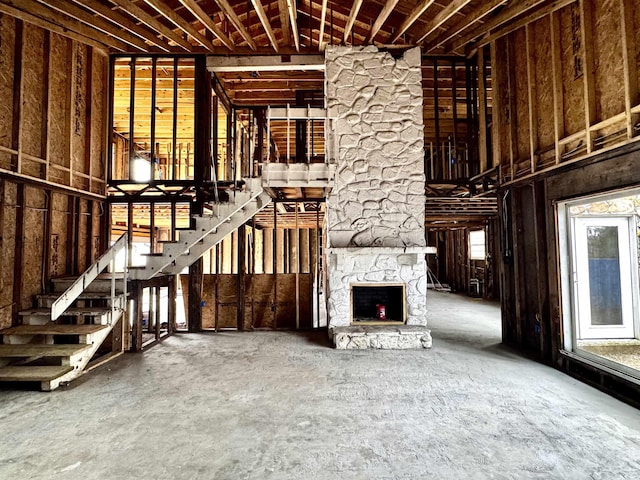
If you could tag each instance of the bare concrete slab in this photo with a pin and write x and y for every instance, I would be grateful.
(288, 406)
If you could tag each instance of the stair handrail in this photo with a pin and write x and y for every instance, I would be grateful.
(71, 294)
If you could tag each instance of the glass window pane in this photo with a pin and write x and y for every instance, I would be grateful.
(604, 275)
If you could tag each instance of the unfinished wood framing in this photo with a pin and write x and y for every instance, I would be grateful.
(589, 87)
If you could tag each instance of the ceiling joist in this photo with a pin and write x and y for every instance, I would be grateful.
(179, 22)
(237, 23)
(352, 18)
(151, 22)
(411, 19)
(120, 20)
(382, 17)
(197, 11)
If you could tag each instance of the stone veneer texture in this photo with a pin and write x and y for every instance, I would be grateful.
(375, 211)
(375, 266)
(375, 103)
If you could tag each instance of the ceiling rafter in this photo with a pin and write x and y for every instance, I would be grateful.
(323, 16)
(352, 18)
(179, 22)
(54, 27)
(511, 11)
(284, 20)
(30, 7)
(293, 19)
(197, 11)
(382, 17)
(445, 14)
(264, 19)
(137, 12)
(237, 23)
(464, 23)
(411, 18)
(90, 19)
(123, 21)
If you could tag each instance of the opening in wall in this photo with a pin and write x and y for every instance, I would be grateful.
(380, 303)
(599, 248)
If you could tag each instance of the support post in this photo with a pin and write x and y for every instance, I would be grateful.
(195, 297)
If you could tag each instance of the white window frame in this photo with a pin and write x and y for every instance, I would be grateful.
(471, 245)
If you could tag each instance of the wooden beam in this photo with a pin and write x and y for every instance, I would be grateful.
(241, 269)
(382, 17)
(237, 23)
(445, 14)
(352, 18)
(482, 112)
(556, 72)
(284, 21)
(264, 19)
(29, 11)
(93, 21)
(536, 15)
(628, 60)
(293, 18)
(264, 63)
(464, 23)
(531, 98)
(411, 18)
(586, 36)
(196, 277)
(510, 12)
(179, 22)
(323, 16)
(135, 11)
(123, 21)
(197, 11)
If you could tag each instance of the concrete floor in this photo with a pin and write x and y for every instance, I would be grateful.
(284, 406)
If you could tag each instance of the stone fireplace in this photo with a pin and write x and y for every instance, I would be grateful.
(375, 212)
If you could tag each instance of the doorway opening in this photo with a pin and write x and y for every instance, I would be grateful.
(600, 248)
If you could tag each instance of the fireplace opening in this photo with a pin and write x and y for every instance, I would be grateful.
(378, 303)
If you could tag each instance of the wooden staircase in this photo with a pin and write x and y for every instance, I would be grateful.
(57, 340)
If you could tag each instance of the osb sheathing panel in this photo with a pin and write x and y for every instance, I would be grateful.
(208, 296)
(636, 23)
(34, 80)
(58, 241)
(286, 301)
(501, 94)
(518, 42)
(78, 113)
(7, 49)
(260, 297)
(98, 84)
(543, 82)
(34, 220)
(8, 232)
(608, 65)
(60, 104)
(573, 88)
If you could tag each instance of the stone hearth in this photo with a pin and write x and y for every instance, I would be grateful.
(384, 337)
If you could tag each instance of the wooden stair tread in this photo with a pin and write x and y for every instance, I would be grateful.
(32, 374)
(82, 296)
(53, 329)
(69, 311)
(43, 350)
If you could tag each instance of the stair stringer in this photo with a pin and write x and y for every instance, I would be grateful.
(82, 360)
(244, 203)
(212, 239)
